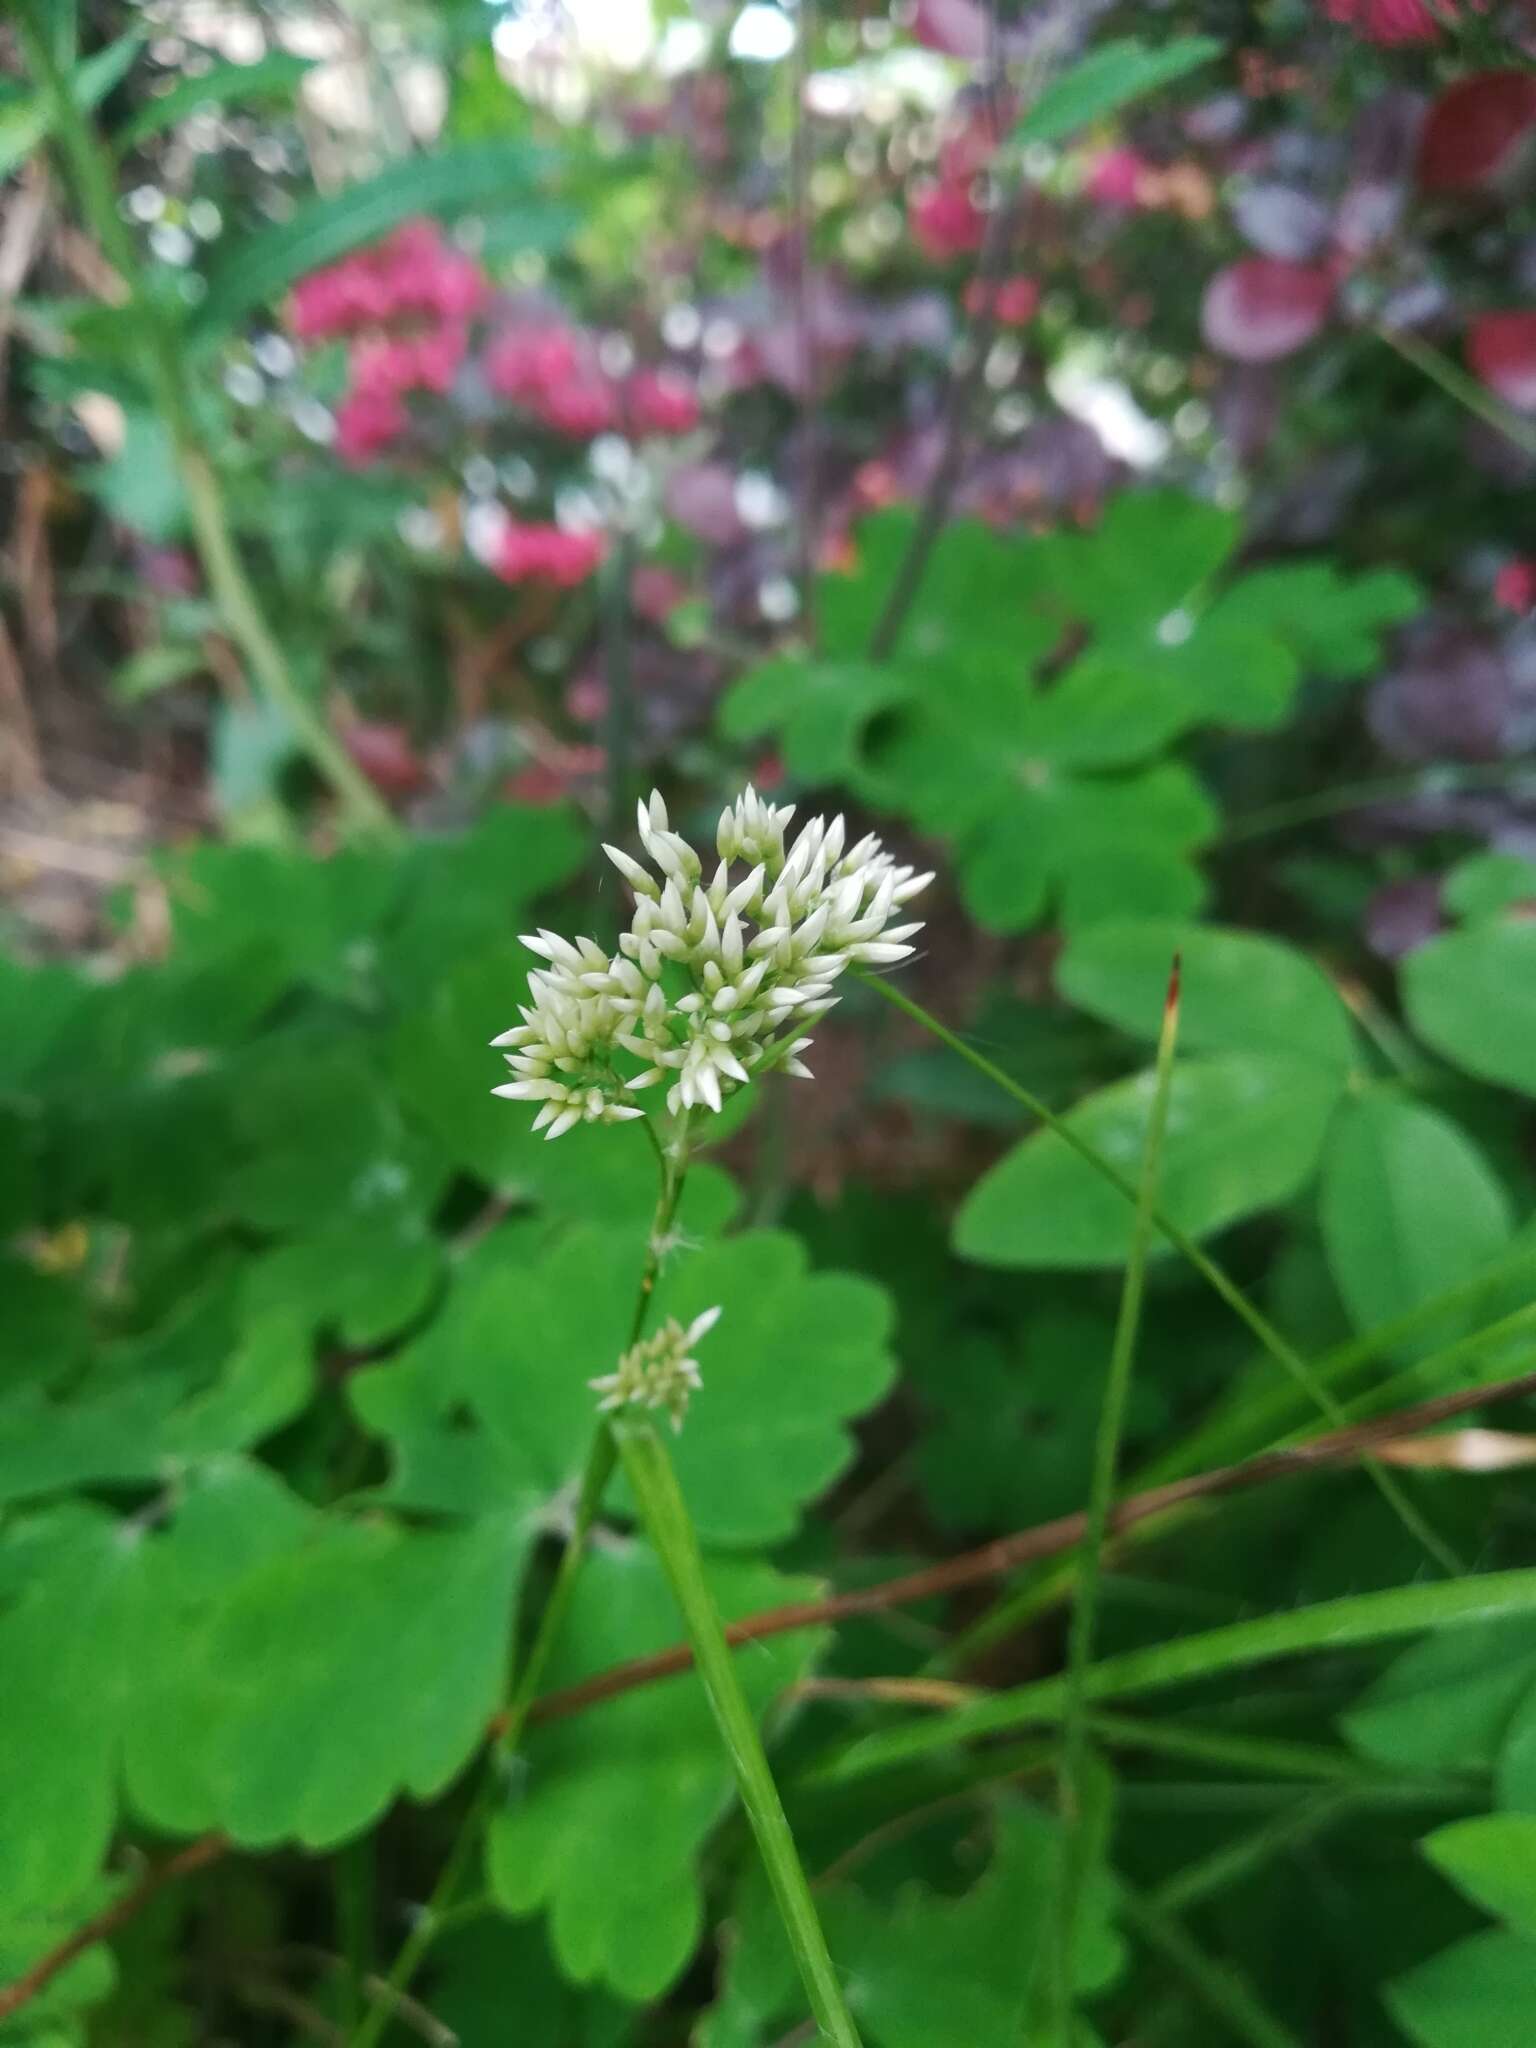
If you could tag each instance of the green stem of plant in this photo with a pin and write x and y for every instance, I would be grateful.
(1350, 1623)
(602, 1456)
(1219, 1987)
(1237, 1860)
(92, 171)
(1101, 1493)
(1214, 1275)
(670, 1529)
(1465, 390)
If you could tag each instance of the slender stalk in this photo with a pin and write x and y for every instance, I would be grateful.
(1101, 1493)
(1236, 1860)
(1220, 1987)
(602, 1456)
(619, 717)
(670, 1528)
(1446, 779)
(234, 593)
(1213, 1274)
(1466, 391)
(1358, 1620)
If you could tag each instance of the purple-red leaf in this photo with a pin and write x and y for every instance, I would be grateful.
(1262, 308)
(1475, 129)
(1501, 349)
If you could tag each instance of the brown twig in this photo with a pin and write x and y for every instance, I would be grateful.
(1048, 1539)
(205, 1850)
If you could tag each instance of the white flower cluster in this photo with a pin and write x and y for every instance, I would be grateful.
(657, 1372)
(713, 980)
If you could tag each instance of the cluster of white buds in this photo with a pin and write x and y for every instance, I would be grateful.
(658, 1372)
(715, 979)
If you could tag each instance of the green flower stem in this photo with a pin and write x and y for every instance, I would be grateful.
(1101, 1493)
(1350, 1623)
(1003, 1619)
(670, 1527)
(92, 171)
(602, 1457)
(1237, 1860)
(1220, 1988)
(1456, 384)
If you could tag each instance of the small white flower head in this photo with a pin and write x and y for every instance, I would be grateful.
(714, 980)
(658, 1371)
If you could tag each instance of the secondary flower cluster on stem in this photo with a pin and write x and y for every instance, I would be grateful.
(714, 980)
(658, 1372)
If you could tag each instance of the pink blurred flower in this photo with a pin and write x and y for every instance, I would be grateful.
(413, 274)
(536, 553)
(521, 363)
(366, 424)
(946, 221)
(1388, 22)
(1115, 177)
(1014, 301)
(1515, 585)
(580, 410)
(661, 402)
(656, 591)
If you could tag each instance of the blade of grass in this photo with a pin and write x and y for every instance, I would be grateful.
(1214, 1275)
(670, 1529)
(1101, 1493)
(1353, 1622)
(1237, 1860)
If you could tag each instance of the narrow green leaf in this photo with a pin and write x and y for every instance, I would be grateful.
(25, 125)
(1108, 78)
(1352, 1622)
(263, 266)
(273, 76)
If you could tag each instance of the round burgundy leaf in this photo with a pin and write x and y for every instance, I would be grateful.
(1262, 308)
(385, 753)
(1474, 130)
(1501, 348)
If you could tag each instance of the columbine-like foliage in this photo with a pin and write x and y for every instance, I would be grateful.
(658, 1372)
(713, 980)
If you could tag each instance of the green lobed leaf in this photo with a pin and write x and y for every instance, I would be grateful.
(923, 1966)
(1475, 1995)
(1472, 996)
(1108, 78)
(1489, 883)
(1333, 622)
(1409, 1208)
(491, 1403)
(1491, 1858)
(1239, 991)
(617, 1803)
(1244, 1134)
(1447, 1703)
